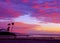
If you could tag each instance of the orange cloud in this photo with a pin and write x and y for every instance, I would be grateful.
(25, 28)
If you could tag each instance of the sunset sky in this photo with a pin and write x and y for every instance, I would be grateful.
(31, 16)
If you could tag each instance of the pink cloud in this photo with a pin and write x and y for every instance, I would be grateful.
(8, 13)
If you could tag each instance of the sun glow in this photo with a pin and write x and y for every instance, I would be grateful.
(48, 27)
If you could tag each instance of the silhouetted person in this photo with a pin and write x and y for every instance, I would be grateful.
(8, 29)
(12, 25)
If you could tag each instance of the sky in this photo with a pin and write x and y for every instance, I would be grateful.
(31, 16)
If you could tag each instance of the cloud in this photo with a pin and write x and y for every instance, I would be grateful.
(44, 10)
(1, 20)
(26, 19)
(24, 28)
(13, 10)
(50, 28)
(50, 12)
(9, 11)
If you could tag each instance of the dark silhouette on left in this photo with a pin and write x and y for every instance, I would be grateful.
(6, 32)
